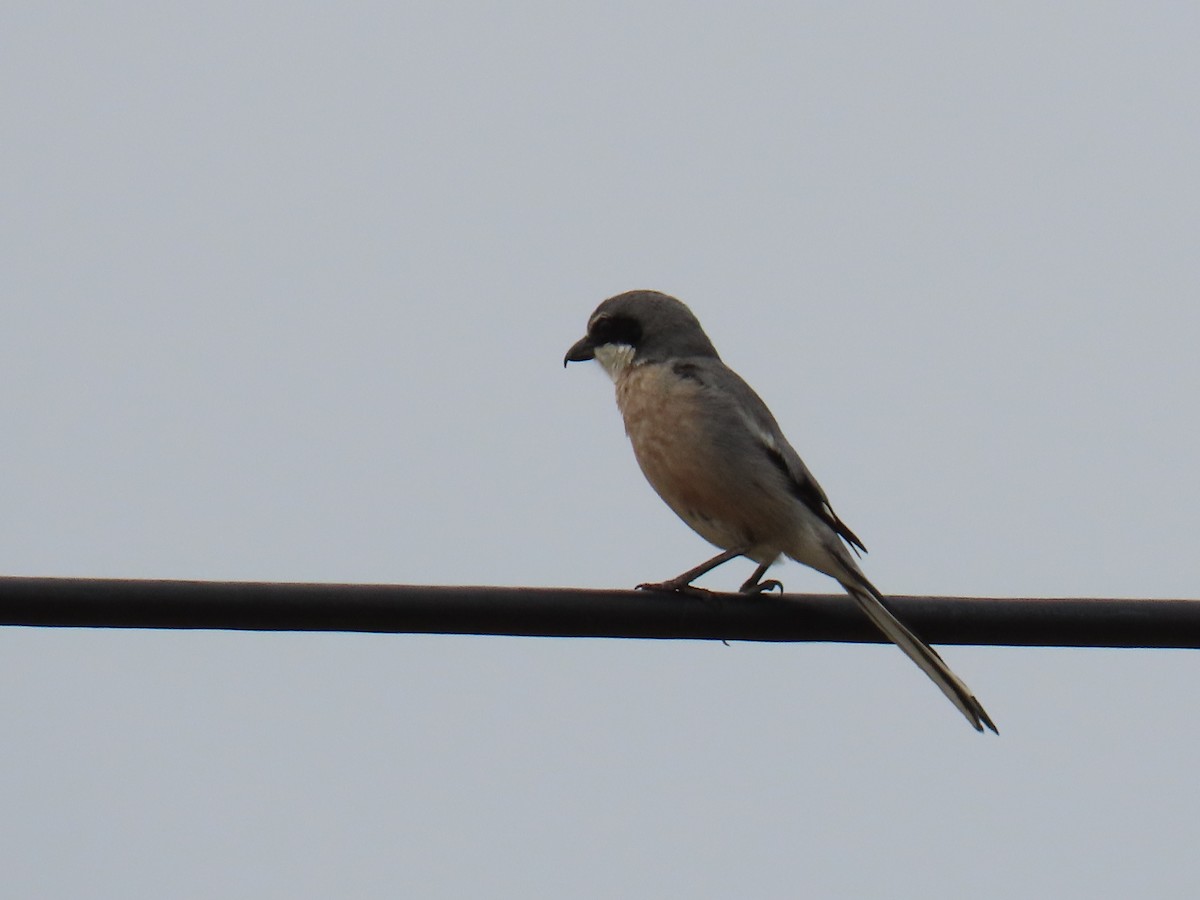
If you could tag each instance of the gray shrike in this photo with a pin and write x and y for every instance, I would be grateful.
(712, 450)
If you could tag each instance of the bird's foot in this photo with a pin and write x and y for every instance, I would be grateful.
(761, 587)
(674, 586)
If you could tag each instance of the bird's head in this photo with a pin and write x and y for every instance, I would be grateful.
(640, 327)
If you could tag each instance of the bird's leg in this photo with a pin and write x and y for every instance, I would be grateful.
(683, 583)
(754, 586)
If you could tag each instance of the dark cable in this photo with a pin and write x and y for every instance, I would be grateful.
(570, 612)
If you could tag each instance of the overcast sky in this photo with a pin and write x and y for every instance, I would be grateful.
(286, 290)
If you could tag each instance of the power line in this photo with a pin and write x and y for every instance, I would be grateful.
(569, 612)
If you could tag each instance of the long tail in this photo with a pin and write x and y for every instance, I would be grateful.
(871, 602)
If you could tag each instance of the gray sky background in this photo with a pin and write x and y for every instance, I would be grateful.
(286, 291)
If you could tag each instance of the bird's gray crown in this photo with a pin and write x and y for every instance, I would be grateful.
(657, 326)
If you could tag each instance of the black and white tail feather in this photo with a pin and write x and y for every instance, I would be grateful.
(871, 602)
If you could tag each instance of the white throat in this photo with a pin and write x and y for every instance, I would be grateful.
(615, 358)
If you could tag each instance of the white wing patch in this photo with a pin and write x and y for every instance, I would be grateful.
(764, 437)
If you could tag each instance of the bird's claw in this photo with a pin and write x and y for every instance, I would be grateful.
(674, 587)
(762, 587)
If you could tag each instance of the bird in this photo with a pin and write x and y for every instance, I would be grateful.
(712, 450)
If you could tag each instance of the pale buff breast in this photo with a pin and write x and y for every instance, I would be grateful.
(673, 444)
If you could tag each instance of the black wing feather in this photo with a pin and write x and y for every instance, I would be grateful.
(810, 494)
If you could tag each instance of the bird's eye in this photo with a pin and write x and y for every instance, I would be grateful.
(608, 329)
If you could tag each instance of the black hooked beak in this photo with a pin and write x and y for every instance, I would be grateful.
(582, 349)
